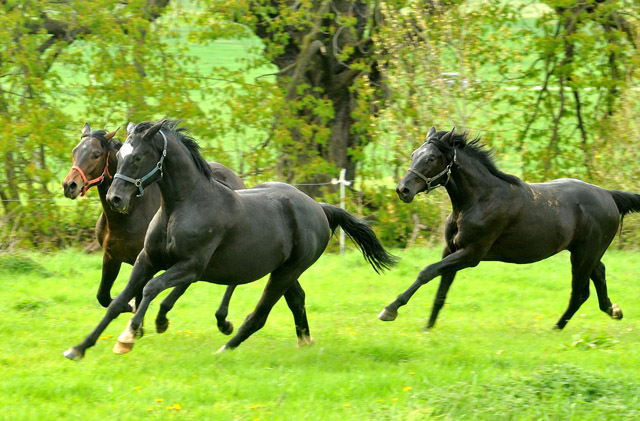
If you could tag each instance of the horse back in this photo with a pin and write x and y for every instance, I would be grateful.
(546, 218)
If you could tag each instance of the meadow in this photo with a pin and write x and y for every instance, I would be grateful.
(491, 355)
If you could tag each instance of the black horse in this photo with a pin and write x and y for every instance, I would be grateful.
(121, 236)
(498, 217)
(207, 231)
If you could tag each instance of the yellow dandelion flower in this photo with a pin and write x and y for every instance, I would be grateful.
(177, 406)
(413, 373)
(159, 399)
(149, 409)
(406, 389)
(188, 331)
(395, 399)
(347, 404)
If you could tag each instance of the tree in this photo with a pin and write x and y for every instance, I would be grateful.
(124, 51)
(327, 80)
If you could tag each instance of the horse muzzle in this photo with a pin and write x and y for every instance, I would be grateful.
(118, 202)
(405, 193)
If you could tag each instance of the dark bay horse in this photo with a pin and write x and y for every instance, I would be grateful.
(206, 231)
(122, 235)
(498, 217)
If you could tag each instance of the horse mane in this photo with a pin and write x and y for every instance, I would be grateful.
(183, 135)
(475, 150)
(106, 144)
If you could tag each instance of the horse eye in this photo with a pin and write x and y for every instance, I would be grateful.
(96, 155)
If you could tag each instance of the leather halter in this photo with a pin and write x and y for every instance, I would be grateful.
(429, 180)
(140, 181)
(96, 181)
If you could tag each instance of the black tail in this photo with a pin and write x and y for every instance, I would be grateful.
(626, 202)
(362, 234)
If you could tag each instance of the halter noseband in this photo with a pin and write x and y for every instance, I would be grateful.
(139, 182)
(429, 180)
(96, 181)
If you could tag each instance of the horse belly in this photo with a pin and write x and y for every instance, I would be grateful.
(529, 247)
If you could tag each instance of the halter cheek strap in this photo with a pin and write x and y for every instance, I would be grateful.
(139, 183)
(96, 181)
(429, 180)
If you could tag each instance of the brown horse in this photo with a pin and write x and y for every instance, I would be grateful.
(122, 236)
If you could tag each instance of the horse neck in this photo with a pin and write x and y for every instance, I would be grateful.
(182, 179)
(103, 187)
(470, 181)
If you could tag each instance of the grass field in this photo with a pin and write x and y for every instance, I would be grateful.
(492, 354)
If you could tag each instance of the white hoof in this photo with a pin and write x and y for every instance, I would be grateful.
(616, 313)
(222, 349)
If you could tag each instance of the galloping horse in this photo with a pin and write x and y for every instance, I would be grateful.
(496, 216)
(122, 235)
(206, 231)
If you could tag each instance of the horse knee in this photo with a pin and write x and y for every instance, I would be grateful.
(104, 299)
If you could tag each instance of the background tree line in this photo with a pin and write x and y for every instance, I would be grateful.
(326, 85)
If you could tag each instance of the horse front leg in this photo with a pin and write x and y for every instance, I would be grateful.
(458, 260)
(180, 275)
(162, 323)
(445, 282)
(225, 326)
(141, 273)
(110, 270)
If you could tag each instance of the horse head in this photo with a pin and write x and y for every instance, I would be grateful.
(139, 165)
(90, 164)
(430, 166)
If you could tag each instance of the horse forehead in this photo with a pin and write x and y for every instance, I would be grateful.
(126, 149)
(87, 145)
(422, 151)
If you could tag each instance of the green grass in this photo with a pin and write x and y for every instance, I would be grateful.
(492, 354)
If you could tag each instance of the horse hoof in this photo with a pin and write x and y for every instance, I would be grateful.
(222, 349)
(162, 327)
(139, 333)
(122, 347)
(387, 316)
(616, 313)
(227, 329)
(306, 341)
(73, 354)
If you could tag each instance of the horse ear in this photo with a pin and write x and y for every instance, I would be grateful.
(448, 136)
(131, 127)
(151, 131)
(86, 129)
(432, 131)
(110, 135)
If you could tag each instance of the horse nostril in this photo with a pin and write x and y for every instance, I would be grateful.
(115, 201)
(72, 186)
(402, 191)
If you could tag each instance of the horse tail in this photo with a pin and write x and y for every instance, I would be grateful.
(362, 234)
(626, 202)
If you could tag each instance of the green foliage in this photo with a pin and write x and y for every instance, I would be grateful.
(377, 76)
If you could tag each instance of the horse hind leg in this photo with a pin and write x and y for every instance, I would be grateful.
(581, 269)
(279, 282)
(599, 281)
(295, 298)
